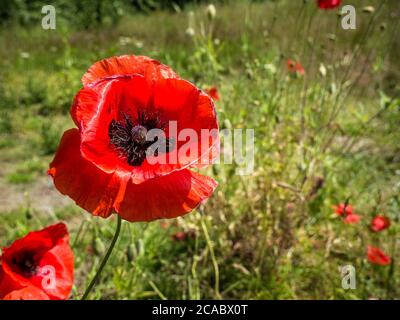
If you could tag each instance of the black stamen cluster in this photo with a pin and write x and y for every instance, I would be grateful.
(129, 138)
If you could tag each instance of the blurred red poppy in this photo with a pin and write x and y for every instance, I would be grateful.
(376, 256)
(38, 267)
(179, 236)
(343, 209)
(352, 219)
(380, 223)
(213, 93)
(295, 67)
(328, 4)
(103, 165)
(164, 224)
(183, 235)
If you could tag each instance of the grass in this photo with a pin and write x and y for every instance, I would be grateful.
(26, 171)
(321, 138)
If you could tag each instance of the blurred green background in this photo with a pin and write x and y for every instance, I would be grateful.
(322, 138)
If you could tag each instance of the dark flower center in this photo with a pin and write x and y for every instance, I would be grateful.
(25, 263)
(138, 134)
(129, 138)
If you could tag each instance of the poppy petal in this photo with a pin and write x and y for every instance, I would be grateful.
(377, 256)
(380, 223)
(168, 196)
(213, 93)
(52, 258)
(194, 115)
(91, 188)
(57, 262)
(94, 113)
(125, 65)
(56, 273)
(352, 219)
(33, 241)
(193, 111)
(328, 4)
(27, 293)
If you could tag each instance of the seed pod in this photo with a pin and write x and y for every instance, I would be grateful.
(130, 252)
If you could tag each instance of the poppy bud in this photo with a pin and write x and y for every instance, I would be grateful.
(28, 214)
(130, 252)
(139, 246)
(270, 68)
(211, 11)
(368, 9)
(190, 32)
(322, 70)
(332, 88)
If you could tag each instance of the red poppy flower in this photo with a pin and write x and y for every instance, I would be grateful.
(376, 256)
(295, 67)
(183, 235)
(179, 236)
(213, 93)
(104, 165)
(328, 4)
(343, 209)
(380, 223)
(352, 219)
(38, 267)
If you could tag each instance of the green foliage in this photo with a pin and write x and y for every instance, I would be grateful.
(5, 122)
(27, 171)
(50, 135)
(84, 14)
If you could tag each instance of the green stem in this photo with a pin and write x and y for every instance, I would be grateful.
(105, 259)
